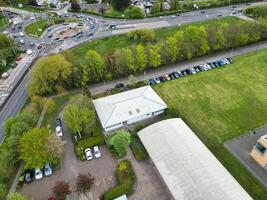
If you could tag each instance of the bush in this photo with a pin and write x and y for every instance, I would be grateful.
(3, 191)
(257, 11)
(134, 13)
(86, 143)
(126, 180)
(142, 36)
(138, 149)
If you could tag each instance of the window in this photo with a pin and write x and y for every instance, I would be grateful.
(260, 148)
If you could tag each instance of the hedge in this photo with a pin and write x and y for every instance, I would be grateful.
(126, 180)
(138, 149)
(87, 143)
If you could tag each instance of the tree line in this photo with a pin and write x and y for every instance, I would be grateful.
(62, 71)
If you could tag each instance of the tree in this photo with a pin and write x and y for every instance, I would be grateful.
(119, 141)
(154, 57)
(155, 8)
(16, 196)
(32, 149)
(54, 145)
(132, 80)
(61, 190)
(140, 57)
(75, 6)
(84, 183)
(95, 64)
(175, 5)
(3, 191)
(174, 45)
(49, 75)
(142, 36)
(134, 12)
(121, 5)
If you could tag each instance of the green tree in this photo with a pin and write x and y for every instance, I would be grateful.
(3, 191)
(174, 45)
(220, 40)
(140, 57)
(155, 8)
(95, 64)
(49, 75)
(54, 145)
(119, 142)
(154, 57)
(16, 196)
(129, 58)
(32, 149)
(121, 5)
(142, 36)
(134, 12)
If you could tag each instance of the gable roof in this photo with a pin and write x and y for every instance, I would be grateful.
(127, 105)
(186, 165)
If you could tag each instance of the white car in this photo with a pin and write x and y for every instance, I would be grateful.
(21, 42)
(88, 154)
(59, 131)
(97, 152)
(21, 34)
(29, 51)
(32, 18)
(38, 174)
(5, 75)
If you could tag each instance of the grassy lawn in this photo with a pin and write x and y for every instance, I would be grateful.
(106, 45)
(28, 8)
(222, 104)
(31, 29)
(60, 102)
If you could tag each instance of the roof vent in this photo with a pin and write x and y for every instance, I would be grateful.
(130, 112)
(137, 110)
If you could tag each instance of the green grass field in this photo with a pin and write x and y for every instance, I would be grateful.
(221, 104)
(106, 45)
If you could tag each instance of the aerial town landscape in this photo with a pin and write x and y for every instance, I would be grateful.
(133, 99)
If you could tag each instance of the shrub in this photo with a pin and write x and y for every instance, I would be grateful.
(138, 149)
(126, 180)
(119, 142)
(61, 190)
(3, 191)
(142, 36)
(134, 13)
(84, 182)
(88, 142)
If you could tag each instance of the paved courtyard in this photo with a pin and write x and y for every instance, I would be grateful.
(242, 146)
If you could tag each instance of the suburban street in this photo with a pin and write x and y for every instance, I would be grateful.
(19, 95)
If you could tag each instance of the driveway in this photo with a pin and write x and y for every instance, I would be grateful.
(241, 147)
(102, 169)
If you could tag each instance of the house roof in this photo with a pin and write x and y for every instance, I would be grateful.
(127, 105)
(188, 168)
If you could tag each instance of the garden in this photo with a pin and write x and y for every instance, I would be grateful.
(222, 104)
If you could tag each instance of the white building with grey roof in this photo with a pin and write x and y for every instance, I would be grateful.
(128, 107)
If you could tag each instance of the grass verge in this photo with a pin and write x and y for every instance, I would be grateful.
(222, 104)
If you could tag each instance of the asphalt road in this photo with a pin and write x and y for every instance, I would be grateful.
(19, 96)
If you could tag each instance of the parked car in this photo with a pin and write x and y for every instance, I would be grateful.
(58, 122)
(5, 75)
(23, 50)
(50, 35)
(38, 174)
(39, 46)
(226, 61)
(28, 175)
(21, 34)
(13, 65)
(97, 152)
(192, 70)
(32, 44)
(211, 65)
(216, 64)
(172, 76)
(176, 74)
(48, 169)
(90, 34)
(162, 79)
(59, 131)
(166, 76)
(196, 69)
(29, 51)
(230, 60)
(152, 82)
(157, 80)
(184, 72)
(88, 154)
(21, 42)
(188, 71)
(119, 85)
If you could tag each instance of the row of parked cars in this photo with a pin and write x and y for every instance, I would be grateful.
(188, 71)
(37, 173)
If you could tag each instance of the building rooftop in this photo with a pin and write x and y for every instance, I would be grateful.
(127, 105)
(188, 168)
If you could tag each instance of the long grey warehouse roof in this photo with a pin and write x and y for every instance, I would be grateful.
(127, 105)
(188, 168)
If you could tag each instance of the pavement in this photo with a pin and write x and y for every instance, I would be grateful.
(242, 146)
(19, 95)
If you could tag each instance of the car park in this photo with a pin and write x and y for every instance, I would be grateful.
(88, 154)
(48, 169)
(97, 152)
(38, 175)
(59, 131)
(28, 175)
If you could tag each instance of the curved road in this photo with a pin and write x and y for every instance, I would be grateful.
(19, 96)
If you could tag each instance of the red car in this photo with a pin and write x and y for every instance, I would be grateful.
(39, 47)
(18, 58)
(66, 37)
